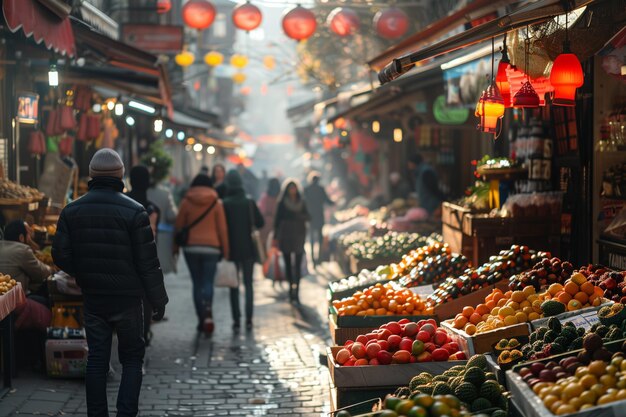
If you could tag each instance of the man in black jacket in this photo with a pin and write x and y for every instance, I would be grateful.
(105, 241)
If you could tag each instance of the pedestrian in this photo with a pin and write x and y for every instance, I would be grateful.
(140, 182)
(267, 205)
(218, 175)
(202, 212)
(290, 233)
(426, 184)
(104, 240)
(242, 214)
(316, 198)
(162, 198)
(250, 181)
(398, 187)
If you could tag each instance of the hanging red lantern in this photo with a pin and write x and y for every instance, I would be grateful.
(343, 21)
(526, 97)
(299, 23)
(198, 14)
(517, 79)
(503, 82)
(391, 23)
(566, 76)
(490, 109)
(247, 16)
(163, 6)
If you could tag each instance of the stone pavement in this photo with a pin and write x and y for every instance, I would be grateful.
(274, 370)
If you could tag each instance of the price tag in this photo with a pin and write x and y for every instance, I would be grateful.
(592, 317)
(579, 321)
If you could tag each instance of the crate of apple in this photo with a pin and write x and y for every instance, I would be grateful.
(400, 342)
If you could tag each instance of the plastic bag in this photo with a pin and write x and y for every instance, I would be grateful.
(226, 275)
(274, 266)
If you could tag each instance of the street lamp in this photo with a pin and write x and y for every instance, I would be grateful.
(169, 133)
(53, 76)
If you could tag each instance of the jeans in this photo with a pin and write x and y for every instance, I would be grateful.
(202, 268)
(99, 327)
(294, 271)
(247, 268)
(316, 236)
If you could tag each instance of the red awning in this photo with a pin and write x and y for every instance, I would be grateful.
(41, 23)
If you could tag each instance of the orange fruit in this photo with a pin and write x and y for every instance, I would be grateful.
(571, 288)
(501, 302)
(468, 311)
(533, 316)
(497, 296)
(528, 291)
(510, 320)
(521, 317)
(460, 321)
(587, 287)
(564, 297)
(582, 297)
(381, 312)
(506, 311)
(482, 309)
(573, 305)
(555, 288)
(598, 291)
(518, 296)
(596, 302)
(578, 278)
(475, 318)
(470, 329)
(370, 312)
(490, 304)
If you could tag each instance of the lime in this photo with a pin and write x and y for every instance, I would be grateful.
(439, 409)
(387, 413)
(404, 406)
(417, 411)
(392, 402)
(423, 400)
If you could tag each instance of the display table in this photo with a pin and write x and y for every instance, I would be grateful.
(8, 303)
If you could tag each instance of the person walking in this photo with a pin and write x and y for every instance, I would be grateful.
(426, 184)
(218, 175)
(242, 214)
(163, 199)
(316, 198)
(290, 233)
(104, 240)
(267, 206)
(202, 214)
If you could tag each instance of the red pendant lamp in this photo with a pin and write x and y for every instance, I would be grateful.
(198, 14)
(502, 80)
(526, 96)
(299, 23)
(163, 6)
(566, 75)
(247, 16)
(391, 23)
(343, 21)
(490, 106)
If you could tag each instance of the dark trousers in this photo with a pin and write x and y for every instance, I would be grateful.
(202, 268)
(316, 236)
(245, 268)
(293, 268)
(99, 327)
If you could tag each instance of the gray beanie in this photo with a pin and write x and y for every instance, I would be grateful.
(106, 163)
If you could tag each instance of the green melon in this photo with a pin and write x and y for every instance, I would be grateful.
(441, 388)
(479, 361)
(475, 375)
(466, 392)
(490, 390)
(480, 404)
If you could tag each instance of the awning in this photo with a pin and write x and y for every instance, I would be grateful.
(537, 12)
(195, 119)
(99, 20)
(120, 55)
(474, 10)
(46, 22)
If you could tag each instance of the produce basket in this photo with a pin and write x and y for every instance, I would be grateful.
(383, 375)
(370, 321)
(483, 342)
(585, 317)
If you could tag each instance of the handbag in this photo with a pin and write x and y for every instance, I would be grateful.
(259, 249)
(226, 275)
(274, 266)
(182, 236)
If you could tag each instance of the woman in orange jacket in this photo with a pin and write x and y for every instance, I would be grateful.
(207, 242)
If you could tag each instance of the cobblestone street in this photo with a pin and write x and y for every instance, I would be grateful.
(274, 370)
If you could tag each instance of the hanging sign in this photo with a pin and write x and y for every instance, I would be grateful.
(28, 107)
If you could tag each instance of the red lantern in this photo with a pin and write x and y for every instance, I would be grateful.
(299, 23)
(198, 14)
(566, 76)
(343, 21)
(164, 6)
(247, 16)
(490, 109)
(391, 23)
(526, 97)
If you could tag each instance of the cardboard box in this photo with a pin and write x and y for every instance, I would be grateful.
(341, 335)
(383, 375)
(66, 358)
(450, 309)
(373, 322)
(483, 342)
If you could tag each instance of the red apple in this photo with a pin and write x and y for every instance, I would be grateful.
(384, 357)
(433, 322)
(384, 334)
(440, 355)
(428, 327)
(348, 343)
(440, 338)
(362, 362)
(406, 344)
(372, 350)
(404, 321)
(374, 362)
(413, 359)
(358, 350)
(460, 356)
(424, 357)
(342, 356)
(394, 341)
(384, 345)
(362, 339)
(394, 327)
(401, 356)
(423, 336)
(350, 362)
(429, 347)
(371, 336)
(410, 330)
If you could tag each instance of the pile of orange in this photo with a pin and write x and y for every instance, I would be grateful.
(575, 293)
(500, 309)
(382, 300)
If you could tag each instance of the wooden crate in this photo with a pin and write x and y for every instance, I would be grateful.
(452, 308)
(371, 321)
(483, 342)
(397, 375)
(357, 265)
(340, 335)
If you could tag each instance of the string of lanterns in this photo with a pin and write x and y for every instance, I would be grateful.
(513, 88)
(298, 23)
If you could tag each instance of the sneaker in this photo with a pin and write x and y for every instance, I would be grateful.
(208, 326)
(249, 325)
(236, 326)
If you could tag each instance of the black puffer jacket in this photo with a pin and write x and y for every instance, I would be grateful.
(105, 241)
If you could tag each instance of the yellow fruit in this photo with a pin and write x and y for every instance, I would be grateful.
(518, 296)
(528, 291)
(537, 306)
(572, 391)
(510, 320)
(588, 381)
(621, 395)
(588, 397)
(539, 386)
(555, 288)
(606, 398)
(549, 401)
(521, 317)
(506, 311)
(565, 409)
(495, 311)
(525, 304)
(574, 305)
(608, 380)
(470, 329)
(532, 298)
(514, 305)
(578, 278)
(534, 316)
(597, 368)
